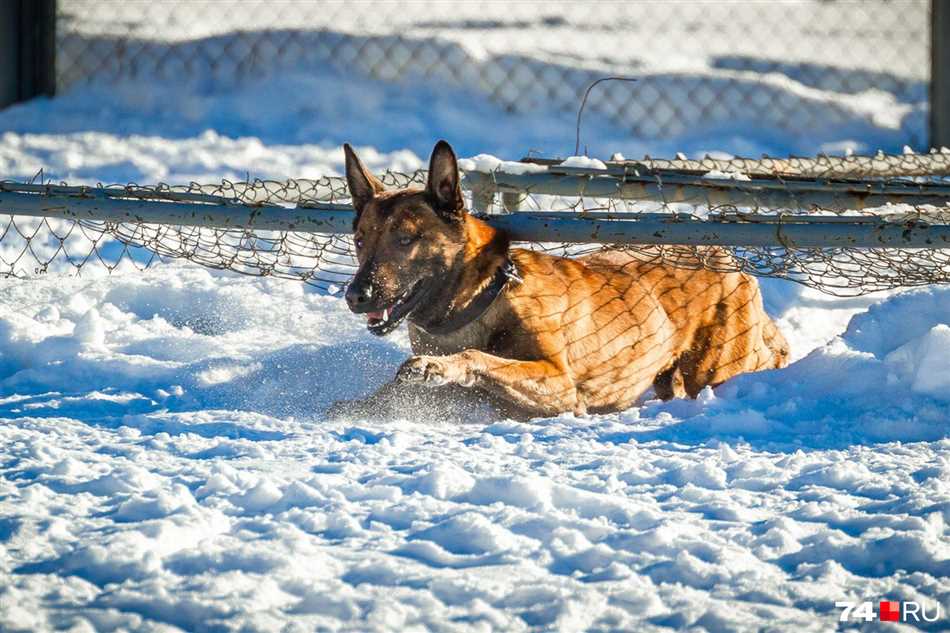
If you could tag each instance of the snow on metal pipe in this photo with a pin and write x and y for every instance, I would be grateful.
(787, 231)
(709, 192)
(934, 164)
(822, 166)
(725, 180)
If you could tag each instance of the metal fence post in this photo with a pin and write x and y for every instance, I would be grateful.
(27, 49)
(940, 73)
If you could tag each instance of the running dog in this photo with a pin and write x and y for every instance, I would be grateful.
(536, 334)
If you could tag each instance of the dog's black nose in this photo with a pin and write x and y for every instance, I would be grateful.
(359, 296)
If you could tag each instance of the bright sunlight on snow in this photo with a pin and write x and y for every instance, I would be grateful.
(166, 464)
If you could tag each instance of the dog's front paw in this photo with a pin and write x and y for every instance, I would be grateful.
(425, 370)
(434, 371)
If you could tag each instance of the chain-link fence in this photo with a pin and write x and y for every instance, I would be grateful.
(796, 66)
(844, 225)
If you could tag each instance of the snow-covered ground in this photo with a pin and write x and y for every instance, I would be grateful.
(165, 463)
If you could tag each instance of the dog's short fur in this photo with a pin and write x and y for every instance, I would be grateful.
(580, 335)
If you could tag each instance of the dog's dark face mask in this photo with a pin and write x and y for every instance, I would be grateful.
(406, 240)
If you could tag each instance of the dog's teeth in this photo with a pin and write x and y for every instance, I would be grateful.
(386, 314)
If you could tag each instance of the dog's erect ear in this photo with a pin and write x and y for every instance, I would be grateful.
(443, 184)
(363, 185)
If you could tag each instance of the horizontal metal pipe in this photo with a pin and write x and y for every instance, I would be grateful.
(573, 182)
(711, 194)
(522, 226)
(129, 192)
(325, 218)
(860, 188)
(881, 166)
(533, 227)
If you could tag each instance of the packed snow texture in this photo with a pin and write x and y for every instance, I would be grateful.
(166, 463)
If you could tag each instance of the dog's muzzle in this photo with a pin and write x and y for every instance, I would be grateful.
(383, 320)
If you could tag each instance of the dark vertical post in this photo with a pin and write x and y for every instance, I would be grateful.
(27, 49)
(940, 73)
(9, 52)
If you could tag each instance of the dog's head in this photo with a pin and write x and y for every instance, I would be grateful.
(406, 240)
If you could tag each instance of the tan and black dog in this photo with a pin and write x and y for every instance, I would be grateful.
(534, 333)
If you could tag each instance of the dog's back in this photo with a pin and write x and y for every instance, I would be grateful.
(610, 325)
(721, 326)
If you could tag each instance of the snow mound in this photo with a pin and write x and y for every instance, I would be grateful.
(486, 164)
(886, 378)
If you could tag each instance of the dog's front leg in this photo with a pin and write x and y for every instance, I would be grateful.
(542, 386)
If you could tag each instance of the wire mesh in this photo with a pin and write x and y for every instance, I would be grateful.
(37, 245)
(798, 66)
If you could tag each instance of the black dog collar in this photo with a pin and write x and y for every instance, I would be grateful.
(479, 305)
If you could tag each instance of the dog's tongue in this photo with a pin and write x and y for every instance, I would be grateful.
(375, 316)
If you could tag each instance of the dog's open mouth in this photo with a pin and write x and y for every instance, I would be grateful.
(388, 319)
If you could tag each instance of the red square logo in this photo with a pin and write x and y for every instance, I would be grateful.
(890, 611)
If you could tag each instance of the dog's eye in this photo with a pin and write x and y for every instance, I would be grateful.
(406, 240)
(359, 242)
